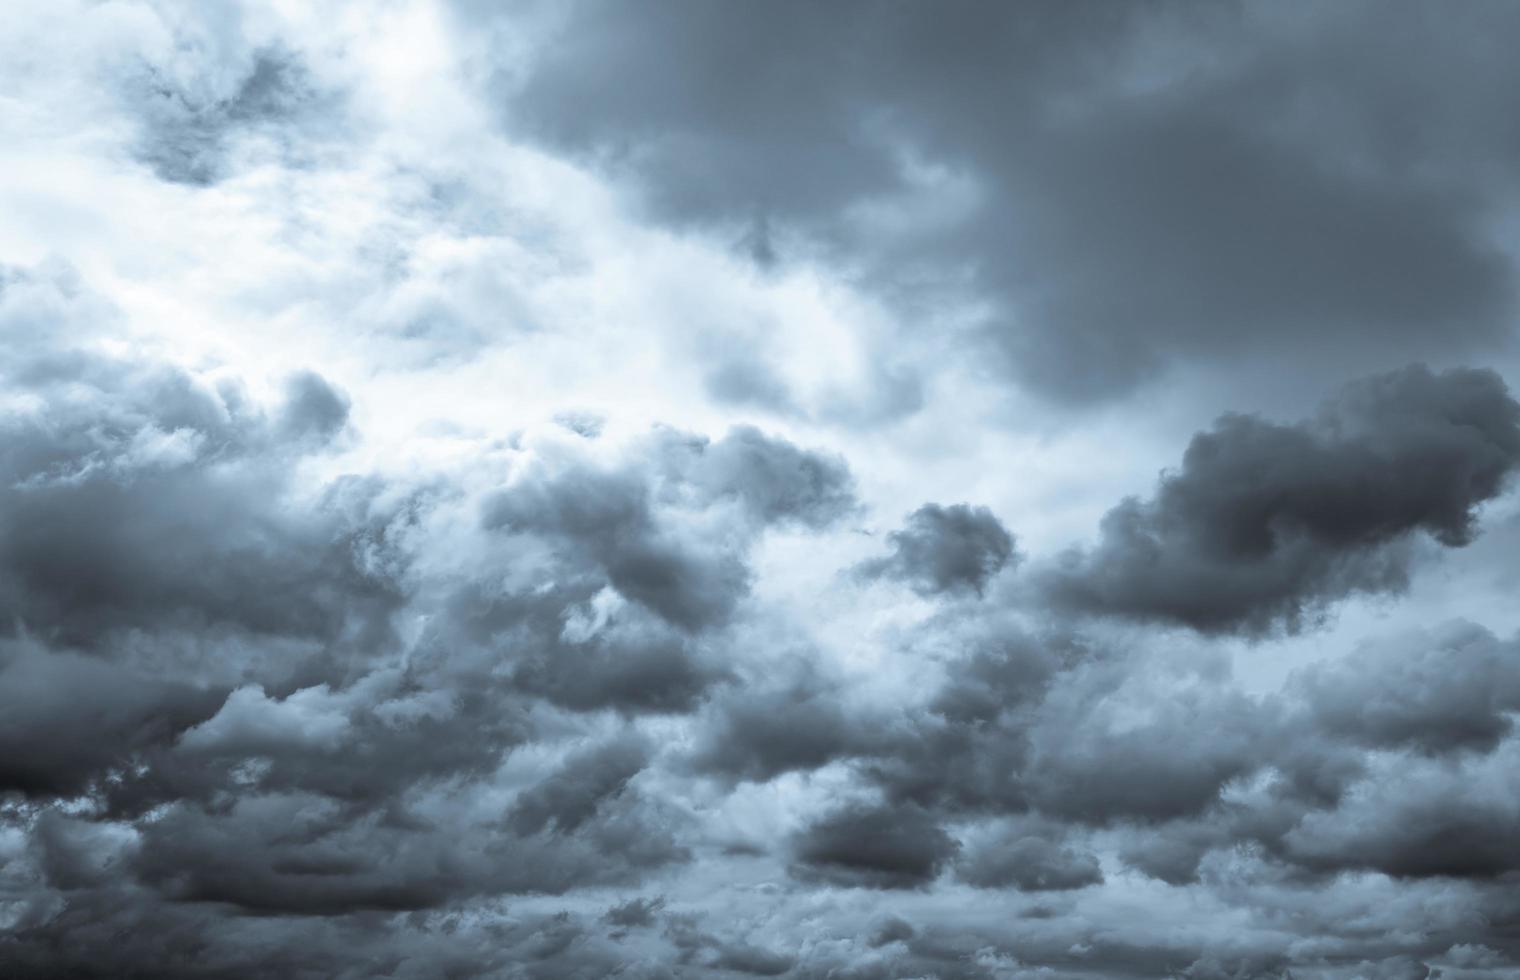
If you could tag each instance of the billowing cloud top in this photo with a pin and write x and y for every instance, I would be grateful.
(679, 489)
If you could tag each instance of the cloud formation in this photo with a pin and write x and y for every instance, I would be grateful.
(1129, 189)
(945, 549)
(546, 490)
(1266, 525)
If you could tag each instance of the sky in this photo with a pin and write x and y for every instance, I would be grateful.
(826, 490)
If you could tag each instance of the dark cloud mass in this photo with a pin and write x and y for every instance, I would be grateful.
(612, 520)
(945, 549)
(1457, 689)
(1154, 184)
(670, 489)
(1029, 863)
(873, 847)
(1267, 524)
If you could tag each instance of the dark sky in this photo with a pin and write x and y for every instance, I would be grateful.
(826, 490)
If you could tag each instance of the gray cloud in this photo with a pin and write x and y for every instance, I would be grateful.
(1171, 184)
(753, 961)
(1266, 525)
(523, 653)
(1028, 862)
(755, 734)
(189, 132)
(71, 719)
(892, 930)
(572, 794)
(313, 408)
(945, 549)
(136, 495)
(611, 521)
(866, 846)
(635, 913)
(1420, 825)
(1455, 689)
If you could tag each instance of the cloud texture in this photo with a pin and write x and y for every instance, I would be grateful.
(835, 491)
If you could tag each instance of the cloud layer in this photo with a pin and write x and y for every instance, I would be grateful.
(831, 491)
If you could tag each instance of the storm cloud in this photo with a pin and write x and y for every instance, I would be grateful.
(1130, 187)
(873, 847)
(1267, 525)
(829, 491)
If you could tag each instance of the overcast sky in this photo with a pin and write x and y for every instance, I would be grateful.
(674, 488)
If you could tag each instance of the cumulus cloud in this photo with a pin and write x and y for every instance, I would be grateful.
(1453, 688)
(1027, 862)
(137, 494)
(753, 733)
(867, 846)
(1266, 525)
(945, 549)
(249, 721)
(571, 795)
(442, 453)
(71, 720)
(1422, 822)
(641, 526)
